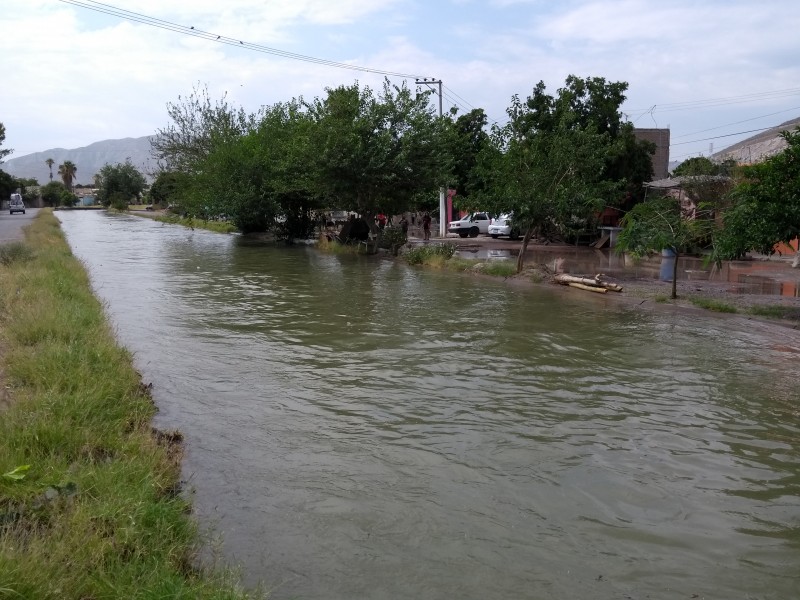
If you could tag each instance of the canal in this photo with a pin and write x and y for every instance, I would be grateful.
(357, 428)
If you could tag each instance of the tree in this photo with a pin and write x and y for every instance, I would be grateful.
(7, 151)
(8, 185)
(52, 193)
(67, 172)
(375, 153)
(555, 164)
(765, 206)
(50, 162)
(661, 224)
(470, 141)
(700, 165)
(121, 183)
(198, 127)
(167, 187)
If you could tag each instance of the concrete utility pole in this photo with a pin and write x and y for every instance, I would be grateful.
(442, 191)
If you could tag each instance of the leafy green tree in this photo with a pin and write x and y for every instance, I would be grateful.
(470, 141)
(550, 167)
(50, 162)
(198, 127)
(67, 173)
(121, 182)
(628, 161)
(700, 165)
(8, 185)
(168, 187)
(375, 153)
(661, 224)
(53, 192)
(765, 206)
(7, 151)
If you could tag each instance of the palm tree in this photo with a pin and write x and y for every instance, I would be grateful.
(67, 172)
(50, 162)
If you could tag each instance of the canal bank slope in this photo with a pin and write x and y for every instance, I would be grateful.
(90, 503)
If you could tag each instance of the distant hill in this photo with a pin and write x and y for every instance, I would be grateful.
(88, 160)
(758, 147)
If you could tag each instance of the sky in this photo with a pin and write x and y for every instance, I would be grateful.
(713, 71)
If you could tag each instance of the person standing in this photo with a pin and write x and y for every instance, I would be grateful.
(426, 226)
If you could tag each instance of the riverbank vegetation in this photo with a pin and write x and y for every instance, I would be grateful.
(90, 503)
(561, 163)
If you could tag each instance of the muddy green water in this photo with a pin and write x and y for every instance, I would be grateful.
(358, 428)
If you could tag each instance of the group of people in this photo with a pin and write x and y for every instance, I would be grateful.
(381, 220)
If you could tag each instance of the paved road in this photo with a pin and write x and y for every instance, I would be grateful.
(11, 225)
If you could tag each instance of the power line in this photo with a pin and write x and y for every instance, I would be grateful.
(713, 102)
(737, 122)
(221, 39)
(722, 136)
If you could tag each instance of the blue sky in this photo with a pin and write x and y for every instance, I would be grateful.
(705, 69)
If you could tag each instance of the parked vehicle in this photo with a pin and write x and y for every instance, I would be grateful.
(471, 225)
(503, 225)
(16, 204)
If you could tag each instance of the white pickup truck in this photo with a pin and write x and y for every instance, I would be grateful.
(471, 225)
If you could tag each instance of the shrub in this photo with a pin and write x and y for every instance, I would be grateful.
(14, 252)
(430, 253)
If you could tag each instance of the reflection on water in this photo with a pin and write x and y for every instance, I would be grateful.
(745, 277)
(360, 429)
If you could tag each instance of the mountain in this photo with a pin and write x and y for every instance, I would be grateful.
(88, 160)
(760, 146)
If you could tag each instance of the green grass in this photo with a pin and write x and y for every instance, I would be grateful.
(215, 226)
(775, 312)
(714, 305)
(14, 252)
(441, 256)
(96, 513)
(661, 298)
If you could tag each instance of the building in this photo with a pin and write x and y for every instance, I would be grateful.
(660, 137)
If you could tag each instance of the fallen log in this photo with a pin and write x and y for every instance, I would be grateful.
(596, 282)
(588, 288)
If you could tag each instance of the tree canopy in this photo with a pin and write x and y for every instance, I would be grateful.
(375, 152)
(765, 207)
(67, 171)
(3, 152)
(558, 159)
(661, 224)
(119, 184)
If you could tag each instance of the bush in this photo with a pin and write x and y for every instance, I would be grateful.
(429, 253)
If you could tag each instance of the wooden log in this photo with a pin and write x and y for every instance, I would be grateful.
(588, 288)
(596, 282)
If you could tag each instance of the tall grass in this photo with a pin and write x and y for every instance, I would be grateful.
(192, 223)
(88, 495)
(441, 256)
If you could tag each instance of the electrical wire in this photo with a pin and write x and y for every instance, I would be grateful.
(737, 122)
(722, 136)
(221, 39)
(714, 102)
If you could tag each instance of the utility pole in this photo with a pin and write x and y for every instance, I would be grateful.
(442, 191)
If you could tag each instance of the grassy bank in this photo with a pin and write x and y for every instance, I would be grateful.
(89, 503)
(441, 256)
(216, 226)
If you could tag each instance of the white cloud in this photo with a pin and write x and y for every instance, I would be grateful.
(77, 76)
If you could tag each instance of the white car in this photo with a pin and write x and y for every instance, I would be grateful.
(16, 204)
(471, 225)
(503, 225)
